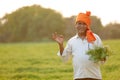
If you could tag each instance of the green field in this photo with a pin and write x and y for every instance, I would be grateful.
(38, 61)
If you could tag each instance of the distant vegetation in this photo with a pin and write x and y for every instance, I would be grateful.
(35, 23)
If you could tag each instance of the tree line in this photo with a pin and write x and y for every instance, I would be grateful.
(35, 23)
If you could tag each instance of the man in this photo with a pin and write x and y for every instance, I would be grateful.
(77, 46)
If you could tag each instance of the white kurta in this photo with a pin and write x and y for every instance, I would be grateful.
(82, 66)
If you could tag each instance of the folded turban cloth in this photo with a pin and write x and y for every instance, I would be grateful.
(85, 17)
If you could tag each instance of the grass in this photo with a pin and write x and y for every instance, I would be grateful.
(39, 61)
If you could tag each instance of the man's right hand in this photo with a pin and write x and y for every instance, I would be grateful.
(58, 38)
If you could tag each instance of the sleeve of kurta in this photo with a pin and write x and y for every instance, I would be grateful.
(66, 53)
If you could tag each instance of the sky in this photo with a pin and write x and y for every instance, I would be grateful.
(107, 10)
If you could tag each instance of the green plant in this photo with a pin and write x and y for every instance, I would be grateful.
(99, 53)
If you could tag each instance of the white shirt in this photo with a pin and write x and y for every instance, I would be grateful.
(82, 66)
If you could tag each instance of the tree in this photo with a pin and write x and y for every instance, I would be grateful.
(111, 31)
(96, 25)
(70, 29)
(32, 23)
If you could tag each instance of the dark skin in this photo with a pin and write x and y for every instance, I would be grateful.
(81, 28)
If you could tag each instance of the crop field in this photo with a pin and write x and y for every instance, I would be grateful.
(39, 61)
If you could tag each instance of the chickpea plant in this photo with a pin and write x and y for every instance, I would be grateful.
(99, 53)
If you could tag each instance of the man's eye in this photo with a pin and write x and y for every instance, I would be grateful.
(79, 23)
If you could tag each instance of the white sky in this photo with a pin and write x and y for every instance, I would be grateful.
(106, 10)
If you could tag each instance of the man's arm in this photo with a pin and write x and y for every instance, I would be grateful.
(61, 47)
(59, 39)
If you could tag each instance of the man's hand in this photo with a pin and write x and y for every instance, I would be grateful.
(58, 38)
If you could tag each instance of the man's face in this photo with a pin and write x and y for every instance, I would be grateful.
(81, 27)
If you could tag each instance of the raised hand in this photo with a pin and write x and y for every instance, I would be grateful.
(58, 38)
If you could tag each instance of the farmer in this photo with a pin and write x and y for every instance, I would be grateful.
(77, 46)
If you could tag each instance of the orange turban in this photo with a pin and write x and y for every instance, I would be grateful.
(85, 17)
